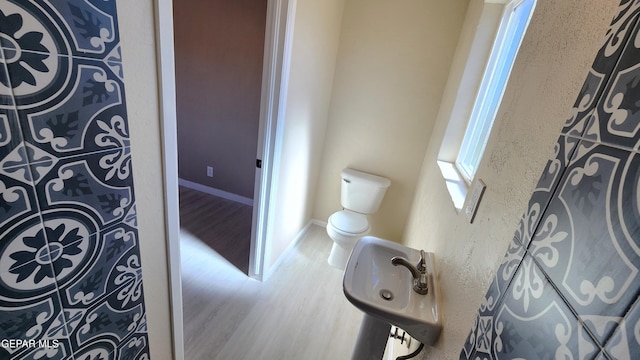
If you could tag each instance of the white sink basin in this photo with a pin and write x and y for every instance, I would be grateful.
(377, 287)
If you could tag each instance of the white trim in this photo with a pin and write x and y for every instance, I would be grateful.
(279, 35)
(456, 184)
(215, 192)
(319, 223)
(167, 98)
(289, 250)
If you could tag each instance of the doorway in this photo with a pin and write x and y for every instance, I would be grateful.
(219, 51)
(279, 23)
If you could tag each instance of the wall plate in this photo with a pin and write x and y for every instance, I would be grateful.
(477, 190)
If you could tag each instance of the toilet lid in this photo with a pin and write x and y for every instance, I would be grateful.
(349, 221)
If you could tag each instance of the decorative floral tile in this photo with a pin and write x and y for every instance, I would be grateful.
(112, 309)
(17, 201)
(588, 241)
(69, 257)
(100, 185)
(136, 348)
(49, 349)
(533, 322)
(625, 342)
(91, 116)
(92, 286)
(617, 36)
(469, 347)
(6, 95)
(510, 264)
(11, 140)
(34, 316)
(546, 187)
(25, 262)
(617, 121)
(90, 26)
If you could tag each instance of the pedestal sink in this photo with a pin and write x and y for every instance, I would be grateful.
(385, 293)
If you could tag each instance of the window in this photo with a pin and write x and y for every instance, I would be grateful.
(513, 25)
(491, 36)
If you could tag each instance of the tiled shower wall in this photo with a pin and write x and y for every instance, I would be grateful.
(569, 283)
(70, 275)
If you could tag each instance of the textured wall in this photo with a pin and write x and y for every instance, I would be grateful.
(554, 58)
(69, 248)
(569, 283)
(391, 72)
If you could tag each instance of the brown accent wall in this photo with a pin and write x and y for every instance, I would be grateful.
(219, 48)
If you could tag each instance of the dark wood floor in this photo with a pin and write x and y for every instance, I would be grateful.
(222, 224)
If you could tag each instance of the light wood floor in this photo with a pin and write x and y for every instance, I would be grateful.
(222, 224)
(300, 312)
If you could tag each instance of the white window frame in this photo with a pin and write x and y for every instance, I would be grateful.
(476, 87)
(515, 19)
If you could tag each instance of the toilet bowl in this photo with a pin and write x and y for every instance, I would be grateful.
(361, 194)
(345, 228)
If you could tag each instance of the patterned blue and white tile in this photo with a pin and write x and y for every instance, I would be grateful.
(95, 282)
(546, 187)
(12, 148)
(26, 271)
(617, 121)
(90, 26)
(99, 185)
(625, 342)
(6, 94)
(469, 347)
(588, 240)
(30, 308)
(112, 310)
(136, 347)
(91, 117)
(81, 28)
(49, 349)
(616, 38)
(533, 322)
(508, 267)
(103, 255)
(17, 200)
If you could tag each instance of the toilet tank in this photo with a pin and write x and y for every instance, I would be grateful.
(362, 192)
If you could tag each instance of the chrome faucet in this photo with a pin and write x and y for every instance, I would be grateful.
(419, 272)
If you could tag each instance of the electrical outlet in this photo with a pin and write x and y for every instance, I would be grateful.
(210, 171)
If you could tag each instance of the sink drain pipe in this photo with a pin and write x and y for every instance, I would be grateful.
(413, 354)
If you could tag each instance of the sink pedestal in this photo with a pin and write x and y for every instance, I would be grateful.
(372, 339)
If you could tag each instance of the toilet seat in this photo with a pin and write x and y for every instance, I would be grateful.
(349, 222)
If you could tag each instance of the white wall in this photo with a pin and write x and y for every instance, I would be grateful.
(314, 47)
(391, 71)
(560, 45)
(136, 20)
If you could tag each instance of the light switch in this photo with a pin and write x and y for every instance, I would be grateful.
(477, 190)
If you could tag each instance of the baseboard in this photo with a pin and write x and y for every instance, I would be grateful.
(319, 223)
(289, 250)
(215, 192)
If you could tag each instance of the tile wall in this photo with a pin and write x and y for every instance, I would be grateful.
(569, 283)
(70, 275)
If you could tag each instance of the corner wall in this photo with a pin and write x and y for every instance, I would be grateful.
(555, 56)
(391, 72)
(313, 53)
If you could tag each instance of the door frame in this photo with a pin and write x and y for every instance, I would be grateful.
(275, 77)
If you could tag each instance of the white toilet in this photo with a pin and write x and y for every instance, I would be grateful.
(361, 195)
